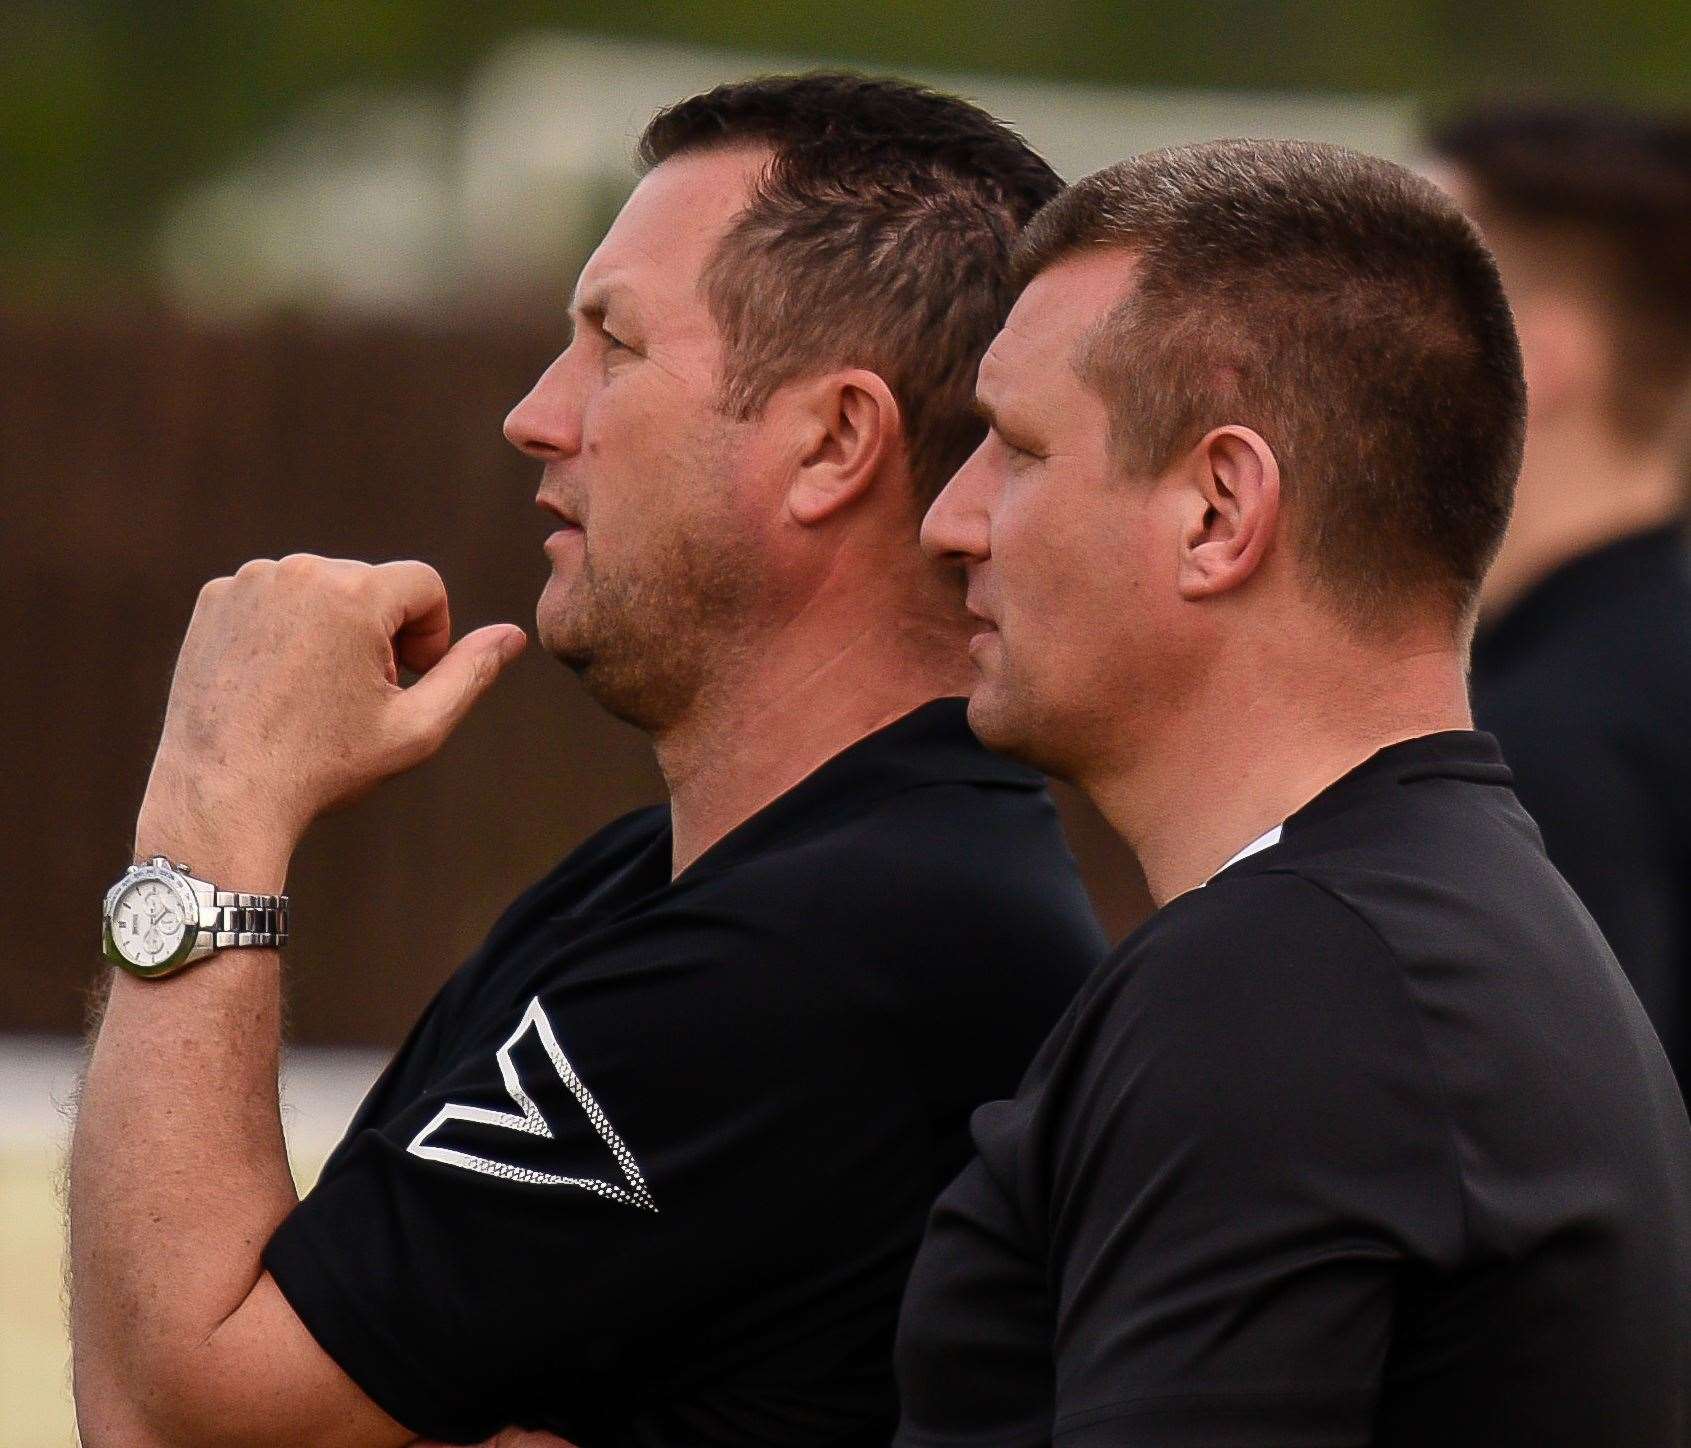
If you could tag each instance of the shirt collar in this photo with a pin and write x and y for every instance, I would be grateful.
(932, 744)
(1464, 754)
(1461, 754)
(1266, 840)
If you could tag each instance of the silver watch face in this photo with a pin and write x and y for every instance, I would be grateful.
(149, 921)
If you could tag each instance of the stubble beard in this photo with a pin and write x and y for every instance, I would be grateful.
(648, 644)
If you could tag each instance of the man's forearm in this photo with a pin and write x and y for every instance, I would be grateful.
(178, 1174)
(285, 704)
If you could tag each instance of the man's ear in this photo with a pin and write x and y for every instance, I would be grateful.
(1230, 511)
(851, 431)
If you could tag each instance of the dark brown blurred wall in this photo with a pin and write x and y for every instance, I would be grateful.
(139, 457)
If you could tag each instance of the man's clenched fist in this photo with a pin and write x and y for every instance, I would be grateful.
(286, 704)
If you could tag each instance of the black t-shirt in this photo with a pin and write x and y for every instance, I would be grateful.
(1586, 682)
(652, 1167)
(1367, 1141)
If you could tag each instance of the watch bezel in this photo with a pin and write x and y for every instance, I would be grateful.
(177, 882)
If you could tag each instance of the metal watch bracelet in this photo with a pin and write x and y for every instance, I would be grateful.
(237, 918)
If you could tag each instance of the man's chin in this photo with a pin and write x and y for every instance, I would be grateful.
(995, 720)
(638, 691)
(567, 649)
(558, 628)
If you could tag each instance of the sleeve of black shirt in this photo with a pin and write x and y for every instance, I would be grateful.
(1246, 1155)
(643, 1150)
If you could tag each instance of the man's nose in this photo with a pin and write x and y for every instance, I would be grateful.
(547, 423)
(957, 528)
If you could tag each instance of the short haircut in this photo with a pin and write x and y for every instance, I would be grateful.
(1341, 307)
(1606, 194)
(879, 237)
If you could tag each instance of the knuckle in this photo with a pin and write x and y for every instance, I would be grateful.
(414, 568)
(354, 580)
(254, 569)
(299, 565)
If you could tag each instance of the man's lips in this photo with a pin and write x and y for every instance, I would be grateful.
(985, 629)
(562, 539)
(560, 511)
(569, 525)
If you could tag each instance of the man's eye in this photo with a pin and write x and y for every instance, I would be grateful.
(1018, 452)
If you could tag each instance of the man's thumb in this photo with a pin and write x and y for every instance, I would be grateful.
(436, 704)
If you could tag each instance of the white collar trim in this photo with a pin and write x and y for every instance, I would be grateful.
(1266, 840)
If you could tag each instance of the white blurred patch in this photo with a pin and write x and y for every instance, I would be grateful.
(405, 204)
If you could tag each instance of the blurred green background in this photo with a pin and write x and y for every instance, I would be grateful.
(106, 106)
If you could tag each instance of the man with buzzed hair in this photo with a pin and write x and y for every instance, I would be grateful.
(1363, 1139)
(652, 1167)
(1582, 662)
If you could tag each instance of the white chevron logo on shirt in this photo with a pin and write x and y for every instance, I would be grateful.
(528, 1120)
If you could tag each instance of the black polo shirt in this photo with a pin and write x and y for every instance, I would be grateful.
(1586, 682)
(1367, 1141)
(652, 1167)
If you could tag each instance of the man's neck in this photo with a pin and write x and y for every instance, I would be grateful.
(1245, 756)
(1577, 495)
(800, 702)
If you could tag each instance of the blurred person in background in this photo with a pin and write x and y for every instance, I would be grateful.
(1582, 664)
(1363, 1139)
(653, 1165)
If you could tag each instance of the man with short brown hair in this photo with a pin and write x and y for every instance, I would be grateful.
(882, 243)
(652, 1166)
(1582, 662)
(1363, 1138)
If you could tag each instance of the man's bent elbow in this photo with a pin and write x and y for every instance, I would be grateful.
(163, 1413)
(106, 1418)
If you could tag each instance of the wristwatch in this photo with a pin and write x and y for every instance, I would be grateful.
(159, 918)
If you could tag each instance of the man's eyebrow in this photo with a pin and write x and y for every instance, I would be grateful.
(1005, 427)
(593, 303)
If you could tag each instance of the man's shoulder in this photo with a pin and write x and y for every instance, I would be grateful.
(973, 835)
(1440, 866)
(944, 865)
(948, 901)
(1250, 1021)
(1243, 914)
(1443, 929)
(529, 916)
(949, 895)
(1247, 968)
